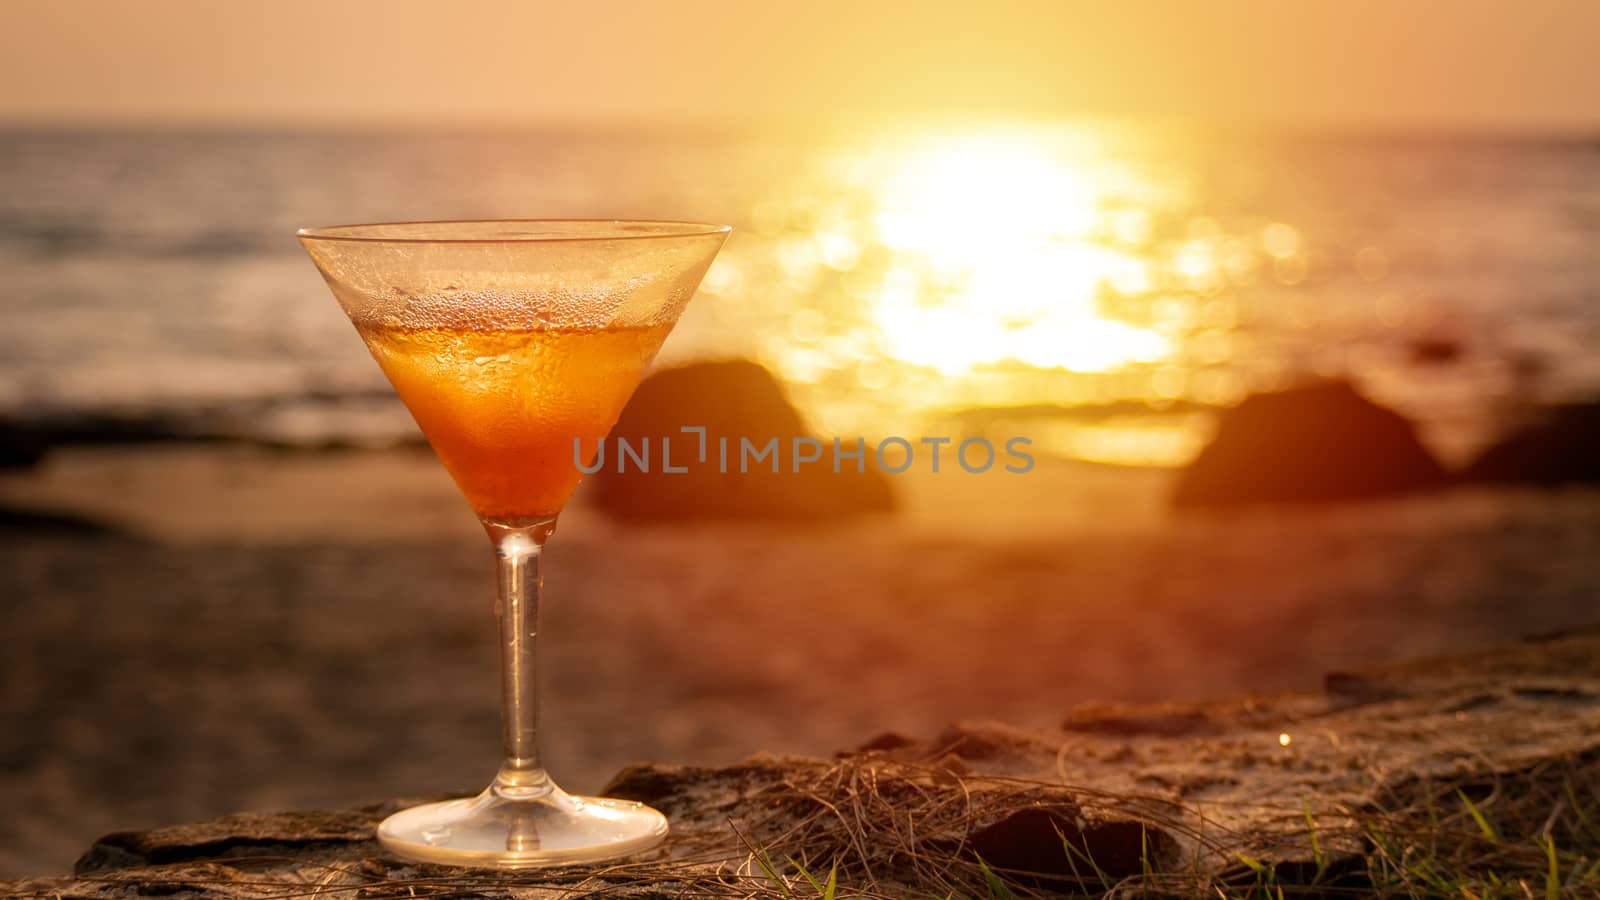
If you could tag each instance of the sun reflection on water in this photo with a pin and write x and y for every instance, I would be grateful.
(999, 260)
(895, 283)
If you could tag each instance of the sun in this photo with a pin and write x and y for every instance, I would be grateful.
(998, 261)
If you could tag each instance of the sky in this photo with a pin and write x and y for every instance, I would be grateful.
(1471, 64)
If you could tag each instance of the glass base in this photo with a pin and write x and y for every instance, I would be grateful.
(497, 831)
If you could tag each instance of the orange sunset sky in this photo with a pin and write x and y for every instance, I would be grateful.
(1480, 64)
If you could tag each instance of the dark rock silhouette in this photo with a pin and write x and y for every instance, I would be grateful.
(1563, 447)
(733, 400)
(28, 437)
(15, 520)
(20, 447)
(1435, 351)
(1318, 443)
(24, 441)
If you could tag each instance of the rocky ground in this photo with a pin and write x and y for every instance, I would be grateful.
(1168, 796)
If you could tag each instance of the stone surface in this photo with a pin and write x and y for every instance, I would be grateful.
(1321, 442)
(1172, 788)
(1562, 447)
(734, 401)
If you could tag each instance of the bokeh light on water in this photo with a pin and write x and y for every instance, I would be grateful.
(906, 280)
(901, 277)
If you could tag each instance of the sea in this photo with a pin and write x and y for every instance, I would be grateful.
(1100, 287)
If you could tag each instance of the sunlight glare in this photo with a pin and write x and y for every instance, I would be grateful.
(1011, 228)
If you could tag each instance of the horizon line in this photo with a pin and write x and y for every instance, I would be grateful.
(844, 123)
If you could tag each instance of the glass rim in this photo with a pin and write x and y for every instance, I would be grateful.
(371, 232)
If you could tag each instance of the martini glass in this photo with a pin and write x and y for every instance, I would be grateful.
(514, 343)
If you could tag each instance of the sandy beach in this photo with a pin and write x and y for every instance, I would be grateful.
(266, 630)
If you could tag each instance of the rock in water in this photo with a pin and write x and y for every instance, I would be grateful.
(1321, 442)
(1435, 351)
(1563, 448)
(735, 402)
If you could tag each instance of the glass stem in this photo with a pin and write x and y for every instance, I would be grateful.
(518, 546)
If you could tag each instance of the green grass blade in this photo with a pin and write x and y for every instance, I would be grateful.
(1073, 854)
(806, 874)
(767, 868)
(1552, 880)
(771, 871)
(994, 883)
(1316, 845)
(1477, 816)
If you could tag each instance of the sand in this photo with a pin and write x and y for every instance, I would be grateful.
(314, 630)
